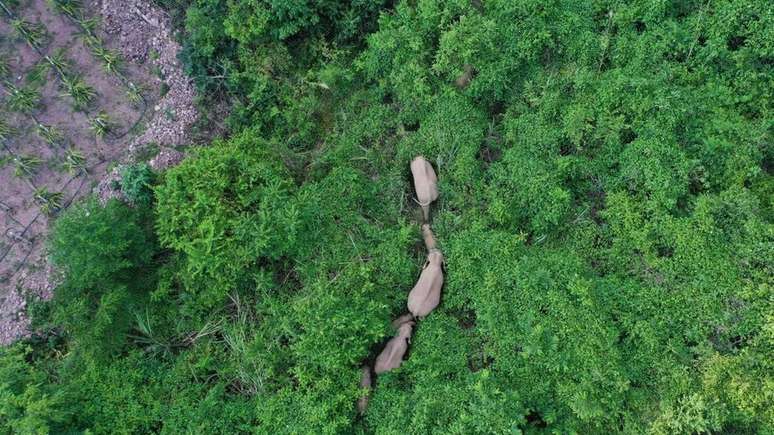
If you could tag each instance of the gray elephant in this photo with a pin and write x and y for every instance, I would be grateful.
(429, 238)
(426, 294)
(408, 317)
(425, 184)
(365, 383)
(392, 355)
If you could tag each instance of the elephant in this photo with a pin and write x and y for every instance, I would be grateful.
(425, 184)
(429, 238)
(392, 354)
(365, 383)
(426, 294)
(401, 320)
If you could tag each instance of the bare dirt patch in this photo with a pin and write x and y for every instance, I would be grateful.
(31, 198)
(143, 34)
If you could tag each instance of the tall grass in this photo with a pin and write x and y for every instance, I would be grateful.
(74, 161)
(49, 202)
(5, 68)
(82, 94)
(101, 124)
(6, 131)
(50, 134)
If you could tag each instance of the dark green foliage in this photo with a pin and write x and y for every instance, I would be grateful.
(105, 253)
(267, 55)
(93, 244)
(136, 183)
(605, 216)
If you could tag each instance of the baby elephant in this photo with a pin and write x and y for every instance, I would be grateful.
(408, 317)
(426, 294)
(425, 183)
(365, 383)
(429, 238)
(392, 355)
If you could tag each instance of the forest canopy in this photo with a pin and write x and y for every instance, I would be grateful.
(605, 214)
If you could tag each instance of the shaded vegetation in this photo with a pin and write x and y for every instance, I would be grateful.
(605, 215)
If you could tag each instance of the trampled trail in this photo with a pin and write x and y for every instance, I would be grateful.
(426, 293)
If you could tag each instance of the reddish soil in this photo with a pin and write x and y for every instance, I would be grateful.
(24, 272)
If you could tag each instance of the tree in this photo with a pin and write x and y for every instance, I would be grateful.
(105, 254)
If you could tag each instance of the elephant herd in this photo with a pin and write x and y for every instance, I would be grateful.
(426, 294)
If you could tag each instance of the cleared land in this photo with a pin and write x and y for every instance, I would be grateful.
(71, 104)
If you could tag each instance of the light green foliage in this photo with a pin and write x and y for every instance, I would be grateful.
(26, 404)
(24, 99)
(605, 216)
(101, 124)
(228, 210)
(5, 69)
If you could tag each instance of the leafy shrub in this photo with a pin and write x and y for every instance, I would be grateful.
(95, 245)
(137, 183)
(26, 404)
(604, 215)
(105, 253)
(229, 210)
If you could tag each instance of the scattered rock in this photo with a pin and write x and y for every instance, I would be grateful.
(143, 33)
(38, 283)
(110, 187)
(16, 236)
(165, 159)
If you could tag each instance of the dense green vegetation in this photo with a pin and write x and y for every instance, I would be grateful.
(605, 214)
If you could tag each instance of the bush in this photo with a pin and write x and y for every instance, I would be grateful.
(95, 245)
(137, 183)
(604, 217)
(27, 405)
(105, 253)
(229, 210)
